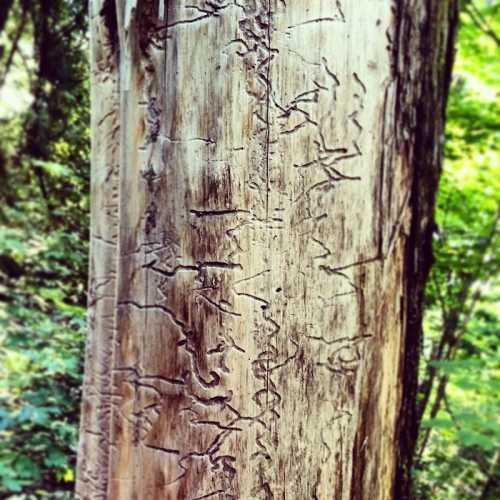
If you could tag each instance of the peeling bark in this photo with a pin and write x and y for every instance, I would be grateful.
(263, 188)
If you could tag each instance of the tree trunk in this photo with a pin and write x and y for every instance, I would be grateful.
(264, 175)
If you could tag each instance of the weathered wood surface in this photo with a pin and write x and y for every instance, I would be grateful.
(251, 219)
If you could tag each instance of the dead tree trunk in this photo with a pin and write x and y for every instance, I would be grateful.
(264, 175)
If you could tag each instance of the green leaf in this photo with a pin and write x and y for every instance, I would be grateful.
(437, 423)
(53, 168)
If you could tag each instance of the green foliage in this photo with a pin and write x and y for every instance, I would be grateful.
(42, 328)
(459, 398)
(40, 366)
(44, 173)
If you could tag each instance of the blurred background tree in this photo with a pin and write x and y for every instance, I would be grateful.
(44, 185)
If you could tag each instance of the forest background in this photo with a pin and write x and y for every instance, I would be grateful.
(44, 221)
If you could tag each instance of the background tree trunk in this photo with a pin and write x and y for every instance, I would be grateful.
(264, 175)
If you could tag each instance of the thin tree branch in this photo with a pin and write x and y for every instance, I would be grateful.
(15, 44)
(480, 21)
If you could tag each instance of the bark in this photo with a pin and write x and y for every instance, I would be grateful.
(263, 188)
(424, 83)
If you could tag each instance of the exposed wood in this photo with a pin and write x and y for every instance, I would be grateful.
(254, 217)
(95, 426)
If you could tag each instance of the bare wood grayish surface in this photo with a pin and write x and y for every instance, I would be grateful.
(97, 397)
(251, 212)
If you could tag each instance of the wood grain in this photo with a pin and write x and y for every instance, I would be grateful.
(251, 214)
